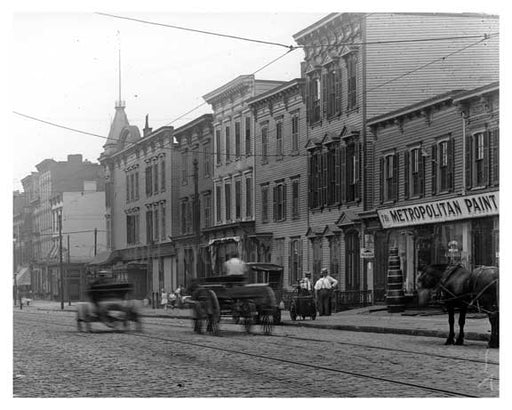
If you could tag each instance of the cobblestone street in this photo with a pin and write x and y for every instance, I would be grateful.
(52, 359)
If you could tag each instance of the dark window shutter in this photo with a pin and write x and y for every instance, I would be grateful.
(357, 159)
(487, 158)
(310, 181)
(284, 187)
(127, 187)
(343, 179)
(421, 160)
(451, 164)
(274, 199)
(382, 180)
(324, 94)
(406, 174)
(469, 162)
(395, 177)
(337, 90)
(325, 181)
(495, 178)
(337, 176)
(433, 163)
(308, 99)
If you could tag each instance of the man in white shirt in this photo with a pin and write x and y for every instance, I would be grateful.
(305, 283)
(235, 266)
(323, 288)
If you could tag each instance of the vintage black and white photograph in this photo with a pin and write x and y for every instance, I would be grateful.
(255, 204)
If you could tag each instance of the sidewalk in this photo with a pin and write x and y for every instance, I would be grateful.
(374, 319)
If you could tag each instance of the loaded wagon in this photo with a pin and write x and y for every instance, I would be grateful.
(232, 296)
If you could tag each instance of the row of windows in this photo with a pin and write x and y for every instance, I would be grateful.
(187, 160)
(279, 201)
(334, 174)
(155, 178)
(293, 134)
(482, 166)
(324, 90)
(155, 225)
(227, 200)
(238, 152)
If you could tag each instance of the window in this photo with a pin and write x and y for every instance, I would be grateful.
(248, 197)
(351, 62)
(279, 202)
(149, 227)
(415, 172)
(295, 261)
(206, 159)
(218, 203)
(313, 99)
(279, 137)
(334, 256)
(163, 220)
(389, 175)
(479, 159)
(136, 185)
(156, 225)
(237, 140)
(184, 212)
(217, 147)
(184, 167)
(228, 144)
(332, 91)
(482, 159)
(264, 203)
(149, 181)
(295, 132)
(317, 256)
(227, 194)
(264, 145)
(352, 171)
(295, 198)
(442, 166)
(162, 175)
(279, 251)
(248, 147)
(238, 199)
(132, 229)
(207, 210)
(155, 178)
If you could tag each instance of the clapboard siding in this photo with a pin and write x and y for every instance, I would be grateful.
(476, 66)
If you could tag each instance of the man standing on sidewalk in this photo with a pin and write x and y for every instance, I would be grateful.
(323, 287)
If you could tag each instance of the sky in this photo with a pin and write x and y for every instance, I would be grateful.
(65, 70)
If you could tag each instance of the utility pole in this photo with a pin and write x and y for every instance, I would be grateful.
(197, 215)
(95, 241)
(60, 264)
(67, 274)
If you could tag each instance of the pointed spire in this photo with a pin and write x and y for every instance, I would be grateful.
(119, 103)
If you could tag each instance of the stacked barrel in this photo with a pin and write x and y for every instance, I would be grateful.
(395, 293)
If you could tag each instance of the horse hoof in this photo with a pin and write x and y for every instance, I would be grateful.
(459, 342)
(449, 342)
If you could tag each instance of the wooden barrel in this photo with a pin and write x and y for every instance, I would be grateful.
(395, 292)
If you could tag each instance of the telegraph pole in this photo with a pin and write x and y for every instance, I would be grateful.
(67, 274)
(197, 215)
(61, 265)
(95, 241)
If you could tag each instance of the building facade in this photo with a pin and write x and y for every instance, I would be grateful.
(280, 178)
(233, 225)
(194, 144)
(437, 189)
(64, 198)
(140, 205)
(358, 66)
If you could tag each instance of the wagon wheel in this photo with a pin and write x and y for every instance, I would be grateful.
(267, 323)
(293, 311)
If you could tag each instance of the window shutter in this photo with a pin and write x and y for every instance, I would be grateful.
(299, 265)
(127, 187)
(451, 164)
(422, 162)
(495, 178)
(357, 159)
(395, 177)
(434, 165)
(382, 179)
(487, 158)
(469, 162)
(406, 174)
(337, 91)
(274, 199)
(137, 185)
(343, 176)
(337, 174)
(324, 94)
(285, 188)
(325, 181)
(310, 181)
(307, 98)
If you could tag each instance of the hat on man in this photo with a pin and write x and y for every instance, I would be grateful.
(308, 274)
(324, 270)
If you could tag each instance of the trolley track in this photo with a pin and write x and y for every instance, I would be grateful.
(311, 366)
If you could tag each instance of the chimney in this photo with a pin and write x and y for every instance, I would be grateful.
(146, 129)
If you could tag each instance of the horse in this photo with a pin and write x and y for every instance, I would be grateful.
(461, 289)
(127, 311)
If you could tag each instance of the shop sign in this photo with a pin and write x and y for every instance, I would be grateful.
(367, 253)
(465, 207)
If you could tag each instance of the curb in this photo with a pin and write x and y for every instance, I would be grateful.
(350, 328)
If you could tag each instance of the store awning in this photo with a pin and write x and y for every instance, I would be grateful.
(103, 258)
(225, 239)
(23, 277)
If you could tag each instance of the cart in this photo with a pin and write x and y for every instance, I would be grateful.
(302, 304)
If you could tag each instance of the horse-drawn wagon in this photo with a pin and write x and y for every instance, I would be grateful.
(231, 296)
(110, 305)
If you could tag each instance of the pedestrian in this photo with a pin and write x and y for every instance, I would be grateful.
(305, 286)
(164, 300)
(179, 299)
(235, 265)
(323, 289)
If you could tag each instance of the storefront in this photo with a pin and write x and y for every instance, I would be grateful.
(463, 229)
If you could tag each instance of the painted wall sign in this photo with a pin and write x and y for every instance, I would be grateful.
(471, 206)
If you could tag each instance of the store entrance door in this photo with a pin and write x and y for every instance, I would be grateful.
(482, 242)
